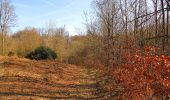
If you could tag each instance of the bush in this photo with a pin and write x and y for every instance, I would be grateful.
(42, 53)
(143, 75)
(10, 54)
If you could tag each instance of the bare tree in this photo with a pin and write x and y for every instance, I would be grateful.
(163, 24)
(167, 28)
(7, 19)
(117, 20)
(124, 12)
(155, 2)
(110, 25)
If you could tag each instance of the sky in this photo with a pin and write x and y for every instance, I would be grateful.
(39, 13)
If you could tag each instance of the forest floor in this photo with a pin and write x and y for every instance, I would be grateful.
(23, 79)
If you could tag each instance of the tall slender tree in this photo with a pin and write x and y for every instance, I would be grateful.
(7, 20)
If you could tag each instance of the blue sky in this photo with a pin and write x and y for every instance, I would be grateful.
(38, 13)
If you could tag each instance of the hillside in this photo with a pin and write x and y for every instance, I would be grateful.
(34, 80)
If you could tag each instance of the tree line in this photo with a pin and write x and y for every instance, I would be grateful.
(124, 25)
(113, 28)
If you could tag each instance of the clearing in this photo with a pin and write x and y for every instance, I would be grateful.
(48, 80)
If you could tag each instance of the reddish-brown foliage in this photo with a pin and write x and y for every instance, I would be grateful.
(143, 74)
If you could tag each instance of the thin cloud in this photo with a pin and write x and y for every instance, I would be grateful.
(68, 15)
(61, 9)
(53, 12)
(48, 2)
(20, 5)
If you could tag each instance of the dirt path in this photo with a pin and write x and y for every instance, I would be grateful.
(32, 80)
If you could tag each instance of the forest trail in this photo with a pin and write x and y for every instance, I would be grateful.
(49, 80)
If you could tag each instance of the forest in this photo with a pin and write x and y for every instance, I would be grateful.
(126, 42)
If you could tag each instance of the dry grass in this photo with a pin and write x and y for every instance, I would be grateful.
(25, 79)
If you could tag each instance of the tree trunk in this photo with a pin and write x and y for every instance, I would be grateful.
(163, 25)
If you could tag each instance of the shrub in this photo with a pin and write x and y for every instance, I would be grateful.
(42, 53)
(10, 54)
(143, 75)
